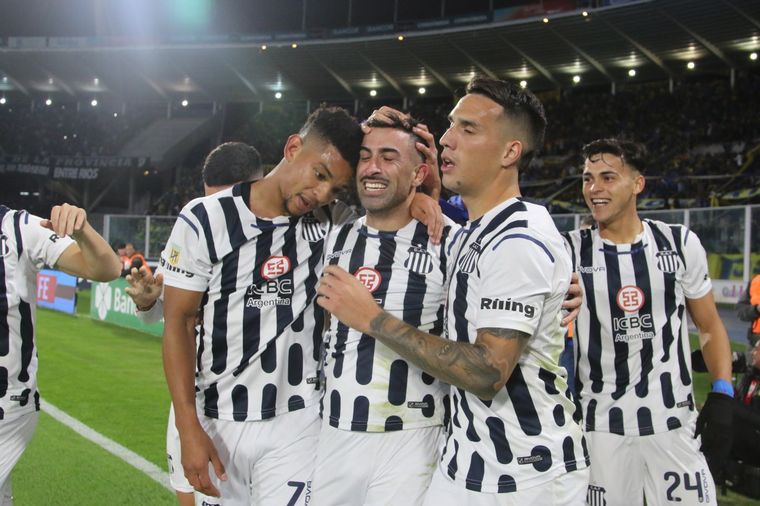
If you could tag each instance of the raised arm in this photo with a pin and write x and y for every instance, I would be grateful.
(91, 256)
(145, 290)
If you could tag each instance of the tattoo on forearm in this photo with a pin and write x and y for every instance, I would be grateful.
(468, 366)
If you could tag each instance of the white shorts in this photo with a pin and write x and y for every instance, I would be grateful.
(373, 468)
(268, 462)
(15, 435)
(176, 472)
(568, 489)
(665, 468)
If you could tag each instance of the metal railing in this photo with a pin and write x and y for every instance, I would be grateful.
(730, 235)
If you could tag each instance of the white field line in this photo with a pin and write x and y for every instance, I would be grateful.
(153, 471)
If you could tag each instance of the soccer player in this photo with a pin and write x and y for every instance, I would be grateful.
(633, 376)
(257, 249)
(227, 164)
(67, 242)
(513, 438)
(382, 416)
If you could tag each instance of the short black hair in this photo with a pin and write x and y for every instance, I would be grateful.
(632, 153)
(405, 124)
(335, 126)
(230, 163)
(520, 105)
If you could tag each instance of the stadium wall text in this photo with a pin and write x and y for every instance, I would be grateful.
(69, 167)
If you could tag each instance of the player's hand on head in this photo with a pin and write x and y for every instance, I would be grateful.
(427, 210)
(383, 115)
(432, 183)
(573, 302)
(144, 288)
(197, 451)
(346, 297)
(66, 220)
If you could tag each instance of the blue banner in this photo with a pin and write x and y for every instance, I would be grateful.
(57, 290)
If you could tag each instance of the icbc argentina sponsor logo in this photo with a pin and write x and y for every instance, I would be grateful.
(631, 327)
(275, 266)
(271, 291)
(369, 277)
(630, 298)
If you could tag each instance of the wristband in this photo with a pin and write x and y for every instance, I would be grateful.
(722, 386)
(146, 308)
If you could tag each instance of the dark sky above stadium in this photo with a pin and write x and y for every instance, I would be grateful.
(152, 17)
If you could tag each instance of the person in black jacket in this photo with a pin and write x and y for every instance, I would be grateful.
(746, 420)
(747, 415)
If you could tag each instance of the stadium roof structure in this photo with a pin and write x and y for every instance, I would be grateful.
(655, 39)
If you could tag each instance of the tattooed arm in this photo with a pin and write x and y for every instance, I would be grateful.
(482, 368)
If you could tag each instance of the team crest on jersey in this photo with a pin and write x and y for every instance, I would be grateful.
(630, 298)
(419, 260)
(369, 277)
(667, 260)
(174, 256)
(4, 248)
(595, 496)
(275, 266)
(469, 261)
(311, 229)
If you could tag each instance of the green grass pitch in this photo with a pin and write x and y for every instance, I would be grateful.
(111, 379)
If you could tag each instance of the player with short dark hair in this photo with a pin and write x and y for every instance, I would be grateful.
(230, 163)
(513, 438)
(227, 164)
(257, 248)
(633, 375)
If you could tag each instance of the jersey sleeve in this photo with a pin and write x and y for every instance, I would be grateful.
(153, 315)
(42, 245)
(185, 260)
(516, 276)
(696, 277)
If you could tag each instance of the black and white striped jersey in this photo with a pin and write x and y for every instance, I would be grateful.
(25, 248)
(261, 334)
(369, 387)
(633, 360)
(511, 271)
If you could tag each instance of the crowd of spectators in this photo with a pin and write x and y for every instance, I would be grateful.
(699, 135)
(62, 130)
(188, 186)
